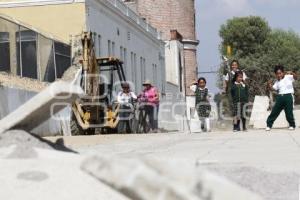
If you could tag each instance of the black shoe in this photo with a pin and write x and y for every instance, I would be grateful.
(236, 128)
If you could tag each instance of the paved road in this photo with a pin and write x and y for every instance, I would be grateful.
(266, 163)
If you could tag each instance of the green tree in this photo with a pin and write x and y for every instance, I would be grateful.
(245, 35)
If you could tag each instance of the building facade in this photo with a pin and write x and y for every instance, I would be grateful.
(167, 15)
(117, 31)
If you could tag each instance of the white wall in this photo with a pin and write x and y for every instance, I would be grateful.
(111, 25)
(174, 61)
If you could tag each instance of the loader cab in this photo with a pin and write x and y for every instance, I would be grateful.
(111, 76)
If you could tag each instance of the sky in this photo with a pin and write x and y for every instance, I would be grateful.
(211, 14)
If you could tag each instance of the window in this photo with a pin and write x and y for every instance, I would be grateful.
(154, 68)
(50, 72)
(143, 69)
(99, 45)
(95, 42)
(113, 45)
(109, 48)
(4, 52)
(125, 62)
(135, 74)
(133, 68)
(62, 58)
(121, 53)
(26, 54)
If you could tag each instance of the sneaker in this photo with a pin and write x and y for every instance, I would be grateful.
(268, 129)
(291, 128)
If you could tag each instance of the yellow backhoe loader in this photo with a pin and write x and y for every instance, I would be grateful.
(99, 78)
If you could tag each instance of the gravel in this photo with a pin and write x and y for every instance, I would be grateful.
(21, 83)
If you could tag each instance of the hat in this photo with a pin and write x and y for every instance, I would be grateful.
(147, 82)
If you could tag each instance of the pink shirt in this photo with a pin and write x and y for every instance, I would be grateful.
(151, 95)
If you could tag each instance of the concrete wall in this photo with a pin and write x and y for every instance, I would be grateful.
(174, 62)
(12, 98)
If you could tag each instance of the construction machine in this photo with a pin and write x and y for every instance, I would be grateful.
(99, 78)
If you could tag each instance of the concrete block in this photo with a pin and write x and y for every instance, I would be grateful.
(41, 107)
(260, 107)
(260, 114)
(150, 179)
(279, 123)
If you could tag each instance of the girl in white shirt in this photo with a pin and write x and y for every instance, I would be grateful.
(285, 99)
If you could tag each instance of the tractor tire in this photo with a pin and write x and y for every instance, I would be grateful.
(77, 130)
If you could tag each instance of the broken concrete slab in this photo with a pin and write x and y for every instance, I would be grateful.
(50, 175)
(148, 179)
(41, 107)
(24, 144)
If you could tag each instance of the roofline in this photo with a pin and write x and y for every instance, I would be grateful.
(28, 3)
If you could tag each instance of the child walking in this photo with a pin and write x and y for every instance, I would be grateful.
(202, 103)
(285, 99)
(240, 97)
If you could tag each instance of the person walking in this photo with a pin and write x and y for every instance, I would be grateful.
(202, 106)
(240, 97)
(285, 97)
(150, 100)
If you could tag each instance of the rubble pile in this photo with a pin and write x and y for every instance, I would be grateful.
(70, 73)
(23, 83)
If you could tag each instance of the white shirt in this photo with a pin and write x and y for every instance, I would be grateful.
(233, 73)
(285, 85)
(124, 98)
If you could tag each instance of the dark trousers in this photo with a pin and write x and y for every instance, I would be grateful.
(125, 115)
(239, 113)
(283, 102)
(152, 112)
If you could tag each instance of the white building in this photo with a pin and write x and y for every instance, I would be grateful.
(117, 31)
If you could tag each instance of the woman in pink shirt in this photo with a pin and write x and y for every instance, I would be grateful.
(150, 98)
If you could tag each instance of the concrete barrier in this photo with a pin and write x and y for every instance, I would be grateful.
(40, 107)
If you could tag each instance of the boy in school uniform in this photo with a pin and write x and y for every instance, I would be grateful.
(285, 98)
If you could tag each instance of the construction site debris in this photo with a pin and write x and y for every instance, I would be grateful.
(24, 83)
(70, 73)
(147, 179)
(25, 143)
(41, 107)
